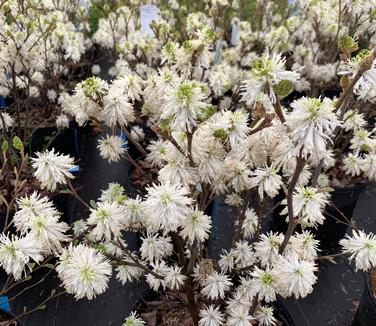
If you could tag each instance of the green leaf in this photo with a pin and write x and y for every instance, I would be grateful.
(51, 266)
(93, 204)
(53, 291)
(4, 146)
(17, 143)
(284, 87)
(42, 307)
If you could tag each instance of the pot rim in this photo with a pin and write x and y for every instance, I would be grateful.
(359, 186)
(369, 290)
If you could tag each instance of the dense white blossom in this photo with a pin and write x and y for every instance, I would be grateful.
(166, 206)
(84, 271)
(362, 248)
(52, 168)
(112, 148)
(215, 286)
(211, 316)
(294, 276)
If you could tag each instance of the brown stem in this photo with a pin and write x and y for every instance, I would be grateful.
(278, 110)
(134, 141)
(76, 195)
(300, 163)
(191, 301)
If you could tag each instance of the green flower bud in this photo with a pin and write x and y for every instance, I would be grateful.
(4, 146)
(284, 87)
(347, 42)
(220, 133)
(207, 112)
(17, 143)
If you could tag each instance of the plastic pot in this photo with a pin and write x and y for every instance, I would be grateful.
(330, 232)
(7, 315)
(366, 312)
(280, 311)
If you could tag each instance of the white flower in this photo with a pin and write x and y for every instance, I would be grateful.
(211, 316)
(157, 151)
(31, 206)
(237, 174)
(111, 148)
(166, 206)
(184, 104)
(6, 121)
(362, 141)
(294, 276)
(234, 199)
(173, 278)
(133, 320)
(238, 300)
(267, 247)
(243, 254)
(369, 166)
(367, 81)
(16, 253)
(196, 226)
(353, 120)
(134, 212)
(62, 121)
(267, 179)
(46, 229)
(266, 73)
(107, 219)
(127, 273)
(305, 245)
(52, 169)
(159, 268)
(239, 316)
(309, 204)
(116, 108)
(79, 227)
(264, 284)
(84, 271)
(95, 69)
(215, 286)
(137, 133)
(155, 247)
(264, 316)
(250, 223)
(227, 261)
(352, 165)
(114, 193)
(362, 248)
(311, 122)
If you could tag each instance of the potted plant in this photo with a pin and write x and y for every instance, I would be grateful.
(45, 47)
(207, 143)
(366, 312)
(220, 124)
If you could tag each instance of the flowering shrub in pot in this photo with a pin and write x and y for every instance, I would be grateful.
(45, 48)
(220, 124)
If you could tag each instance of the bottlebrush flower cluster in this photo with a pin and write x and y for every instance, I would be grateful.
(240, 123)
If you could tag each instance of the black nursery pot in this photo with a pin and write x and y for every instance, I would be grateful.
(330, 232)
(280, 311)
(282, 314)
(7, 316)
(366, 312)
(65, 142)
